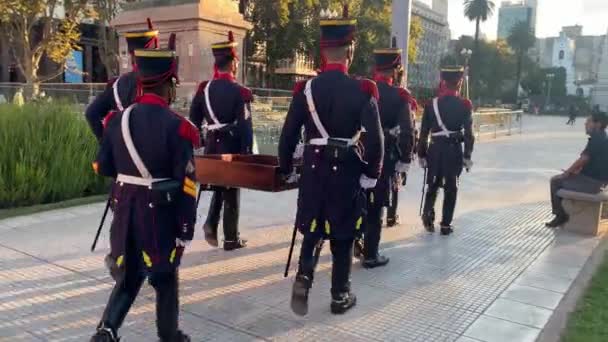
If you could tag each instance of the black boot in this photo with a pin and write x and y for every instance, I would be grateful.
(178, 337)
(232, 245)
(392, 221)
(105, 335)
(210, 235)
(342, 303)
(428, 221)
(299, 295)
(378, 261)
(446, 230)
(358, 249)
(558, 221)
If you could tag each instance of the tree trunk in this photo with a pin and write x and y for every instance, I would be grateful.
(475, 61)
(520, 57)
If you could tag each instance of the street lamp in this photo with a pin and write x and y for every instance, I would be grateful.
(550, 78)
(466, 53)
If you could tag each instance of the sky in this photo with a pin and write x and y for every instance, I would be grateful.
(552, 15)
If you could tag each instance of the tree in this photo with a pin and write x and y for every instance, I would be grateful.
(521, 39)
(108, 39)
(478, 11)
(416, 33)
(42, 28)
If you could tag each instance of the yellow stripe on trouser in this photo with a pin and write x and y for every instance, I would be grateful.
(120, 260)
(359, 223)
(313, 226)
(327, 228)
(172, 256)
(147, 259)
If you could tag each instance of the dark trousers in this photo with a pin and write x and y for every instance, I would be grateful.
(450, 195)
(373, 229)
(391, 212)
(229, 199)
(342, 254)
(127, 287)
(578, 183)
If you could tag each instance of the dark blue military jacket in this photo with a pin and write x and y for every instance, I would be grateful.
(104, 103)
(165, 141)
(231, 104)
(395, 116)
(331, 202)
(445, 155)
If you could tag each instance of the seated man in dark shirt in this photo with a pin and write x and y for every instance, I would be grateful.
(589, 174)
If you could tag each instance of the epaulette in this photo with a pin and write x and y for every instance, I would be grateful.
(368, 86)
(201, 87)
(468, 104)
(407, 96)
(299, 87)
(246, 94)
(188, 131)
(106, 120)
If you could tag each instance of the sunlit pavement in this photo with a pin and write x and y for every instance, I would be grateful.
(497, 279)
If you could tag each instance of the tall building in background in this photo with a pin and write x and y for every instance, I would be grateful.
(432, 46)
(512, 13)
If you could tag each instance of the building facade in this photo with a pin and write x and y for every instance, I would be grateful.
(432, 46)
(512, 13)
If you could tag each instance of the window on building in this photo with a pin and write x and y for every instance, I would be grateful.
(561, 54)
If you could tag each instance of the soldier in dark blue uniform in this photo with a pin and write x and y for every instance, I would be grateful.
(222, 108)
(396, 119)
(148, 149)
(447, 124)
(120, 92)
(333, 108)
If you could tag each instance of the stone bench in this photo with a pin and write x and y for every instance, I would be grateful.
(588, 212)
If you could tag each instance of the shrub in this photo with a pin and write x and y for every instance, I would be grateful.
(46, 150)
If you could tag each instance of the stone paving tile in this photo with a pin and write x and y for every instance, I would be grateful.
(519, 313)
(533, 296)
(489, 329)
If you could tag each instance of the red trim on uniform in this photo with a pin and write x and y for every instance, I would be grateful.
(370, 87)
(228, 76)
(448, 92)
(246, 94)
(407, 96)
(299, 87)
(189, 132)
(201, 87)
(381, 78)
(468, 104)
(152, 99)
(108, 118)
(335, 67)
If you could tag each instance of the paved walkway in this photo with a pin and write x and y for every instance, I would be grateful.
(497, 279)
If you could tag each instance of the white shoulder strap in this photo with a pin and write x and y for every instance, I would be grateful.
(117, 100)
(313, 110)
(208, 104)
(438, 116)
(126, 136)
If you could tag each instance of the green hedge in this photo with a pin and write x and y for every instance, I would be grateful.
(46, 150)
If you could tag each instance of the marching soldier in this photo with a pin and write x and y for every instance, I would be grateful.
(448, 122)
(149, 150)
(222, 108)
(120, 92)
(333, 108)
(396, 119)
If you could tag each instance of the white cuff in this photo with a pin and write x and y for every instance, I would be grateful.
(402, 167)
(292, 178)
(299, 152)
(367, 183)
(468, 164)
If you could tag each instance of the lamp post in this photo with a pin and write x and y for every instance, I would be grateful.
(466, 53)
(550, 78)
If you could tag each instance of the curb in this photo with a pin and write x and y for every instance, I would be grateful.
(558, 322)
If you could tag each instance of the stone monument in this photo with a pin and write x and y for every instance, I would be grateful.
(197, 24)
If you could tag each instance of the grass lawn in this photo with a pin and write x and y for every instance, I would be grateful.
(7, 213)
(589, 322)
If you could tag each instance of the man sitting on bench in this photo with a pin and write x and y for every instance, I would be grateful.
(589, 174)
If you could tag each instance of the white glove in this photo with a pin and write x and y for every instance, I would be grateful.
(299, 152)
(402, 167)
(292, 178)
(182, 243)
(423, 163)
(367, 183)
(468, 164)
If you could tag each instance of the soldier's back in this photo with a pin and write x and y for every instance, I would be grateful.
(455, 112)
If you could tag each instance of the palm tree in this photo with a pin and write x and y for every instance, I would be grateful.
(521, 39)
(478, 11)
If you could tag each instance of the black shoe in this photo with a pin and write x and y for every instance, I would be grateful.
(446, 230)
(299, 295)
(210, 236)
(427, 222)
(178, 337)
(558, 221)
(358, 249)
(232, 245)
(105, 335)
(378, 261)
(393, 221)
(343, 303)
